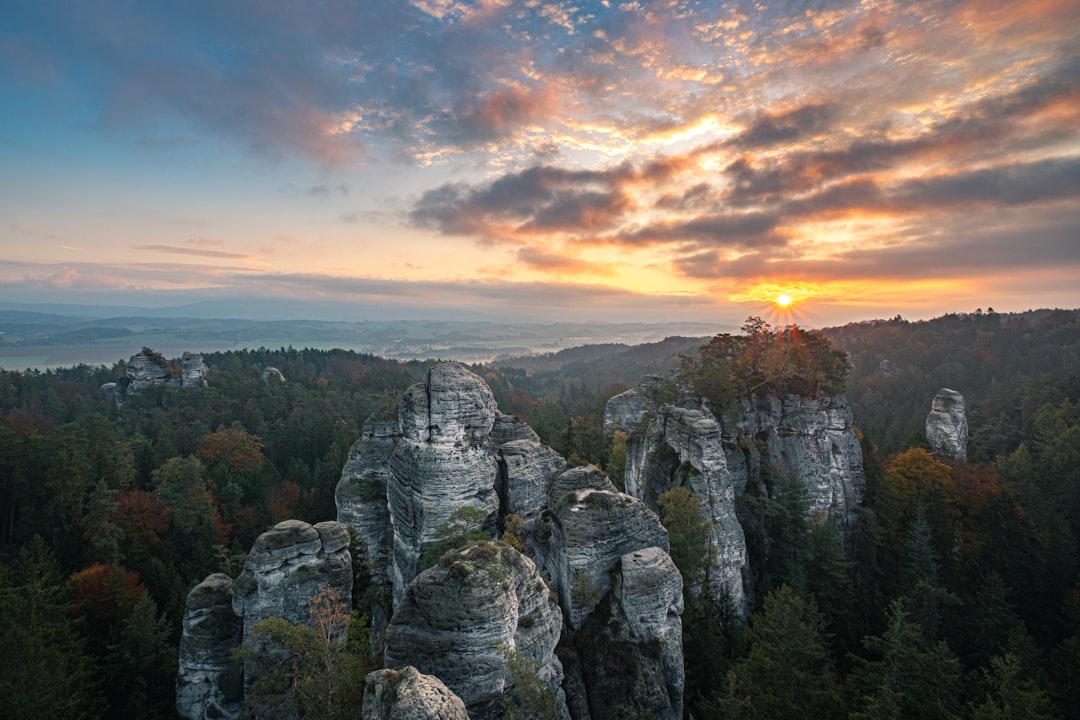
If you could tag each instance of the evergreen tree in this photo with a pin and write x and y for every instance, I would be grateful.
(45, 671)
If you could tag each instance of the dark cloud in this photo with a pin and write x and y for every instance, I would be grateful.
(785, 127)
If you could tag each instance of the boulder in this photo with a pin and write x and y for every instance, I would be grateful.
(408, 694)
(459, 620)
(947, 426)
(208, 682)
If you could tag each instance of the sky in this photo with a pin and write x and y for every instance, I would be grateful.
(539, 160)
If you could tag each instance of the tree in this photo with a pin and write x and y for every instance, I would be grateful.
(787, 673)
(688, 534)
(308, 671)
(528, 696)
(464, 525)
(45, 671)
(906, 675)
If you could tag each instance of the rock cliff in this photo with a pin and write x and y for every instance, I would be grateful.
(208, 681)
(459, 619)
(444, 460)
(288, 566)
(598, 552)
(946, 425)
(749, 446)
(408, 694)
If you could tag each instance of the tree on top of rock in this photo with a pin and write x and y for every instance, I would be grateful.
(766, 360)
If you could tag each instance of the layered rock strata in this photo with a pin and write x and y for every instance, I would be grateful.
(208, 683)
(408, 694)
(443, 461)
(288, 566)
(752, 444)
(947, 426)
(459, 620)
(630, 649)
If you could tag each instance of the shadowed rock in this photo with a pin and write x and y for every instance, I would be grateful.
(208, 681)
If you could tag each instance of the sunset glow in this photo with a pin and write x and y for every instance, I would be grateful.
(683, 159)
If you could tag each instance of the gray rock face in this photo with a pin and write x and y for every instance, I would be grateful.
(508, 428)
(946, 425)
(361, 492)
(529, 467)
(458, 619)
(684, 448)
(443, 461)
(192, 371)
(408, 694)
(627, 410)
(810, 440)
(591, 531)
(638, 624)
(208, 681)
(272, 373)
(144, 373)
(288, 566)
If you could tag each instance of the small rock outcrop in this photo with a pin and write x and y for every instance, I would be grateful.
(192, 371)
(272, 373)
(459, 619)
(408, 694)
(947, 426)
(288, 566)
(208, 683)
(148, 369)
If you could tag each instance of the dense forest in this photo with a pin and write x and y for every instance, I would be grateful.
(960, 595)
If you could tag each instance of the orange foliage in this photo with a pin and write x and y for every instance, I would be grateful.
(106, 591)
(143, 518)
(915, 473)
(241, 450)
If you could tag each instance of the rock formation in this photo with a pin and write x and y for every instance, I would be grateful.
(272, 373)
(408, 694)
(443, 461)
(288, 566)
(145, 370)
(604, 572)
(630, 649)
(192, 371)
(946, 425)
(684, 448)
(751, 445)
(208, 682)
(459, 619)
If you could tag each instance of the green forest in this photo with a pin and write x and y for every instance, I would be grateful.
(959, 598)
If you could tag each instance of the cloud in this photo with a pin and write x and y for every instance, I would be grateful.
(559, 264)
(176, 250)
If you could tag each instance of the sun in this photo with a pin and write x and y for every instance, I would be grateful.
(783, 300)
